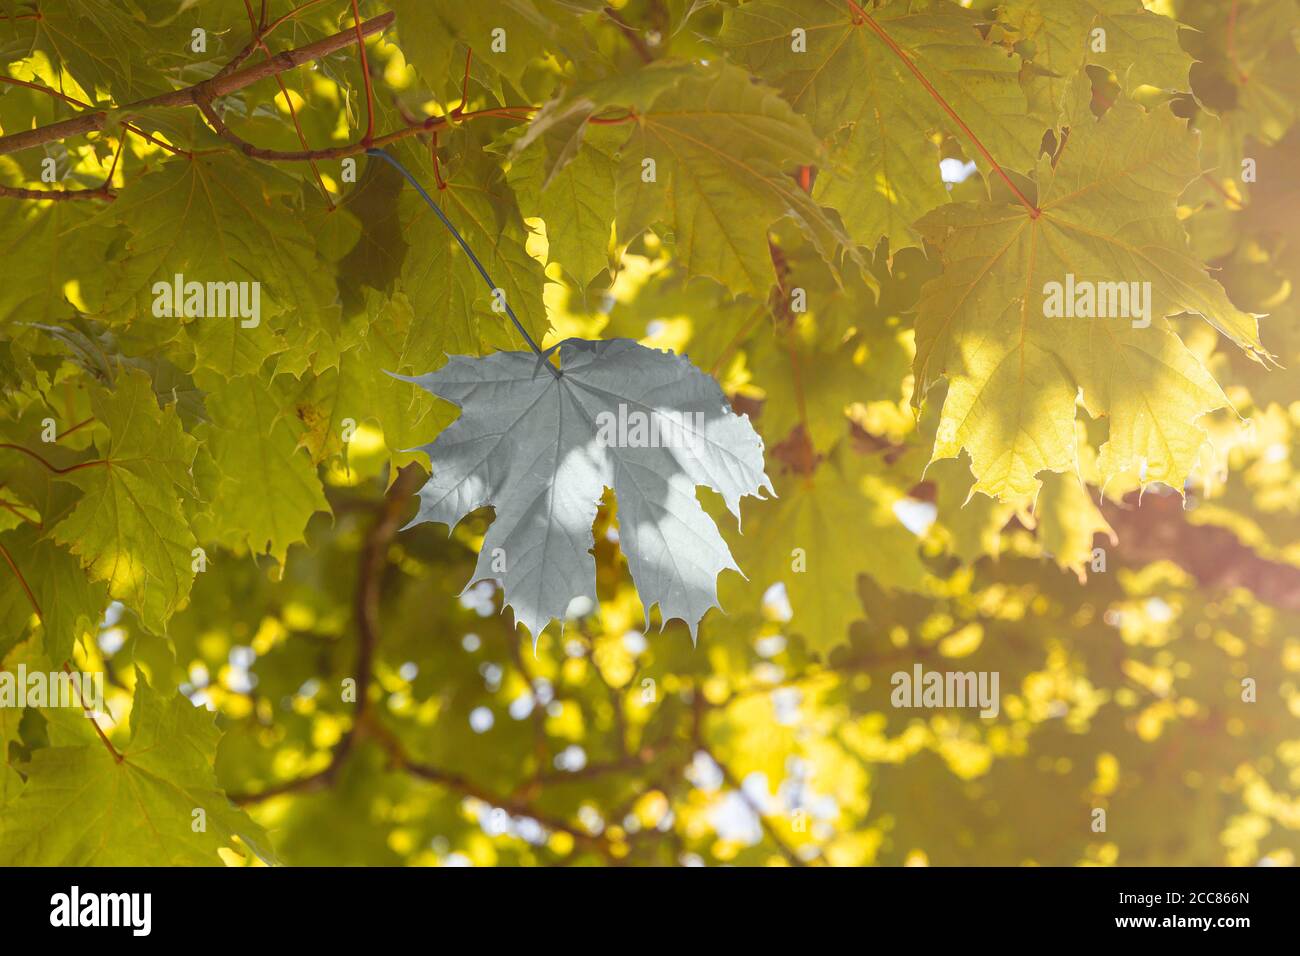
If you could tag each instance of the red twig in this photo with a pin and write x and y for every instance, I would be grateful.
(259, 35)
(464, 83)
(93, 722)
(108, 180)
(11, 507)
(77, 427)
(54, 468)
(1232, 43)
(365, 73)
(351, 149)
(289, 16)
(629, 117)
(22, 581)
(1218, 187)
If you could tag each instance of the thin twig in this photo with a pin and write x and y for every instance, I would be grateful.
(22, 581)
(631, 34)
(374, 553)
(54, 468)
(259, 32)
(365, 74)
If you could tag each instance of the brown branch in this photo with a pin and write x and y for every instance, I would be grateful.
(1232, 44)
(219, 85)
(58, 195)
(699, 706)
(628, 763)
(374, 557)
(466, 787)
(72, 100)
(374, 554)
(431, 124)
(632, 35)
(1158, 529)
(1228, 197)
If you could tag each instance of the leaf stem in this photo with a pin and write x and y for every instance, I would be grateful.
(492, 286)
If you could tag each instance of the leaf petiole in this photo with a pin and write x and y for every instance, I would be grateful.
(492, 286)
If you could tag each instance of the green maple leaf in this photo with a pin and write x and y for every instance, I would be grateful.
(101, 46)
(1107, 215)
(852, 84)
(71, 604)
(816, 363)
(43, 251)
(1067, 521)
(83, 806)
(435, 37)
(1139, 46)
(803, 382)
(1246, 80)
(707, 156)
(818, 536)
(575, 202)
(724, 148)
(129, 528)
(218, 218)
(266, 490)
(16, 511)
(11, 782)
(362, 388)
(970, 525)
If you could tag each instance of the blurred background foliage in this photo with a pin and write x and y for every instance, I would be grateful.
(1121, 635)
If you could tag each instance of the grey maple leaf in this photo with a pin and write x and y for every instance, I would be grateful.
(541, 448)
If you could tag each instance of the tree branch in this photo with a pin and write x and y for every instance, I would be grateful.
(631, 34)
(374, 553)
(208, 90)
(431, 124)
(1213, 555)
